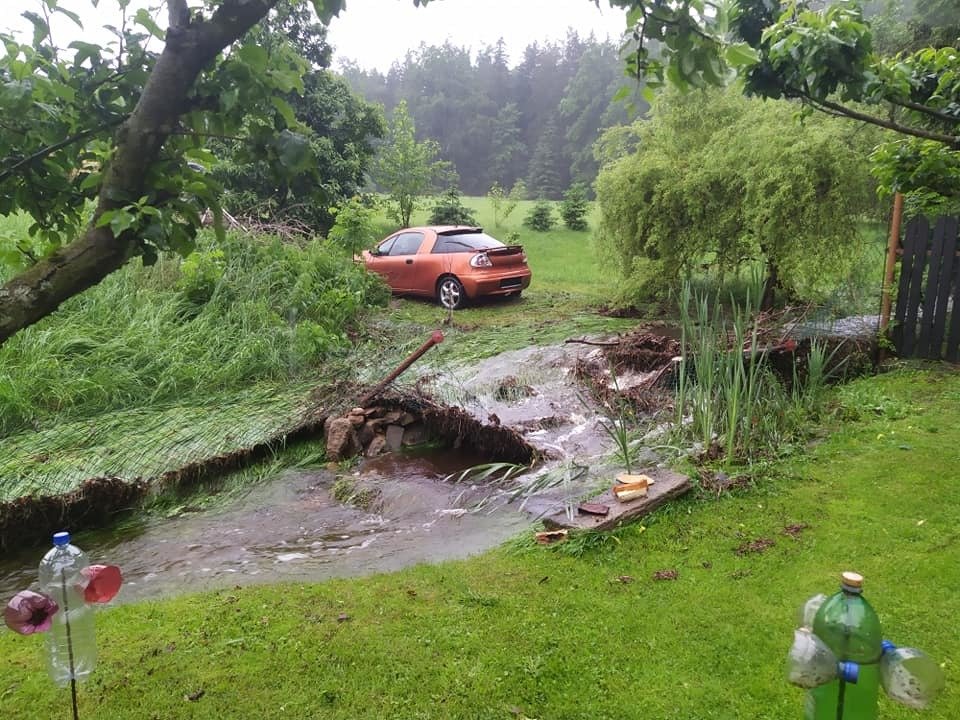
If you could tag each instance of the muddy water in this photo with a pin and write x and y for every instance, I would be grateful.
(291, 528)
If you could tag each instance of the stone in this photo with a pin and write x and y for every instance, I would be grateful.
(415, 434)
(376, 446)
(407, 419)
(356, 419)
(365, 434)
(342, 440)
(394, 438)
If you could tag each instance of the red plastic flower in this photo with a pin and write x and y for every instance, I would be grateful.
(103, 583)
(29, 612)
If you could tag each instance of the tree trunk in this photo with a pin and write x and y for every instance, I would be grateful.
(770, 286)
(191, 46)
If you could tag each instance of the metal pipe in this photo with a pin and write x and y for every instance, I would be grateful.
(436, 337)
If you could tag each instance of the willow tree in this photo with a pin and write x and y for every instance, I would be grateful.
(721, 179)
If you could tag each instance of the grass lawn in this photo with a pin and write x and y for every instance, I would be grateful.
(580, 630)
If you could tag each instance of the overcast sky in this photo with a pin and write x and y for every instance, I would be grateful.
(374, 33)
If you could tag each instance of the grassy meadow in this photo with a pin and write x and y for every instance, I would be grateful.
(582, 630)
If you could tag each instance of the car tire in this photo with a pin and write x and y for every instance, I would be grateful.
(450, 293)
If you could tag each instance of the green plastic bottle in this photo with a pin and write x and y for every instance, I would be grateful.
(850, 628)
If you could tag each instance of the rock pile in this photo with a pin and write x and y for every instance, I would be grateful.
(371, 431)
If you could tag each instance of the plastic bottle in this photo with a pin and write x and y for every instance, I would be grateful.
(75, 640)
(909, 676)
(810, 663)
(848, 625)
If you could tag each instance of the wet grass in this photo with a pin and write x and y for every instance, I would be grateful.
(582, 629)
(147, 442)
(570, 287)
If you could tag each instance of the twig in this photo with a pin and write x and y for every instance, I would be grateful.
(592, 342)
(50, 149)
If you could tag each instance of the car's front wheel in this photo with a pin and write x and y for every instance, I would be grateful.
(450, 293)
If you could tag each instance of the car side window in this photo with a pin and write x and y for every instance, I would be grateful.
(384, 247)
(406, 244)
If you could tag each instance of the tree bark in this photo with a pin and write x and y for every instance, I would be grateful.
(770, 286)
(191, 45)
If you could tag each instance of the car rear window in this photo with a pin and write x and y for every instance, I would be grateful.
(466, 242)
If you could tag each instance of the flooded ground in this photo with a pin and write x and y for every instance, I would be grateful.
(291, 527)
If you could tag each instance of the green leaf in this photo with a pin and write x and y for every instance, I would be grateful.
(72, 15)
(254, 56)
(328, 9)
(293, 151)
(286, 112)
(740, 55)
(143, 18)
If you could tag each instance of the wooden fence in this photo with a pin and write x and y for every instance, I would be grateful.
(927, 321)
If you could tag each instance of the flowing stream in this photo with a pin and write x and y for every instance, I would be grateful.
(290, 527)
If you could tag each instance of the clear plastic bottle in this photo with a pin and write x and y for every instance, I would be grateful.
(69, 644)
(909, 676)
(848, 625)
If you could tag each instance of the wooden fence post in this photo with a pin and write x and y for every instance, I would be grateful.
(892, 246)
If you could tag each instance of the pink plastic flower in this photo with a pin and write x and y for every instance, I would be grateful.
(103, 583)
(29, 612)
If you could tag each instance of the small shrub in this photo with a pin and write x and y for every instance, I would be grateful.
(449, 210)
(540, 217)
(573, 209)
(355, 226)
(200, 272)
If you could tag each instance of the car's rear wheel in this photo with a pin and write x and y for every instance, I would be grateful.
(450, 293)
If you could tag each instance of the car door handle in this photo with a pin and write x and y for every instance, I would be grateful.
(410, 262)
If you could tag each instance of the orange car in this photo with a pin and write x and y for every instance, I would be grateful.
(450, 263)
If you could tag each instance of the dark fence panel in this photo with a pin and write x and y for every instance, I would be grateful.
(927, 323)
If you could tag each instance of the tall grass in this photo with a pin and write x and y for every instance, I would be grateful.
(728, 400)
(253, 309)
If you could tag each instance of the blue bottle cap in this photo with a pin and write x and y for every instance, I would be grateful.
(61, 538)
(849, 671)
(887, 646)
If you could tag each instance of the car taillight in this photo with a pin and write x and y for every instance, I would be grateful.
(480, 260)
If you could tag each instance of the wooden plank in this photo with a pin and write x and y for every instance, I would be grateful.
(908, 347)
(915, 228)
(953, 339)
(667, 486)
(938, 319)
(930, 289)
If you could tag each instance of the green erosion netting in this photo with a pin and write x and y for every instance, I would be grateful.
(147, 443)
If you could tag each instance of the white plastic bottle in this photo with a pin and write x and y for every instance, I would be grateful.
(909, 676)
(71, 642)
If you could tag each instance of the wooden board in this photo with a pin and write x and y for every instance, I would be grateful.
(667, 485)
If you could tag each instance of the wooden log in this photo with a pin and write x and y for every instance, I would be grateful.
(667, 486)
